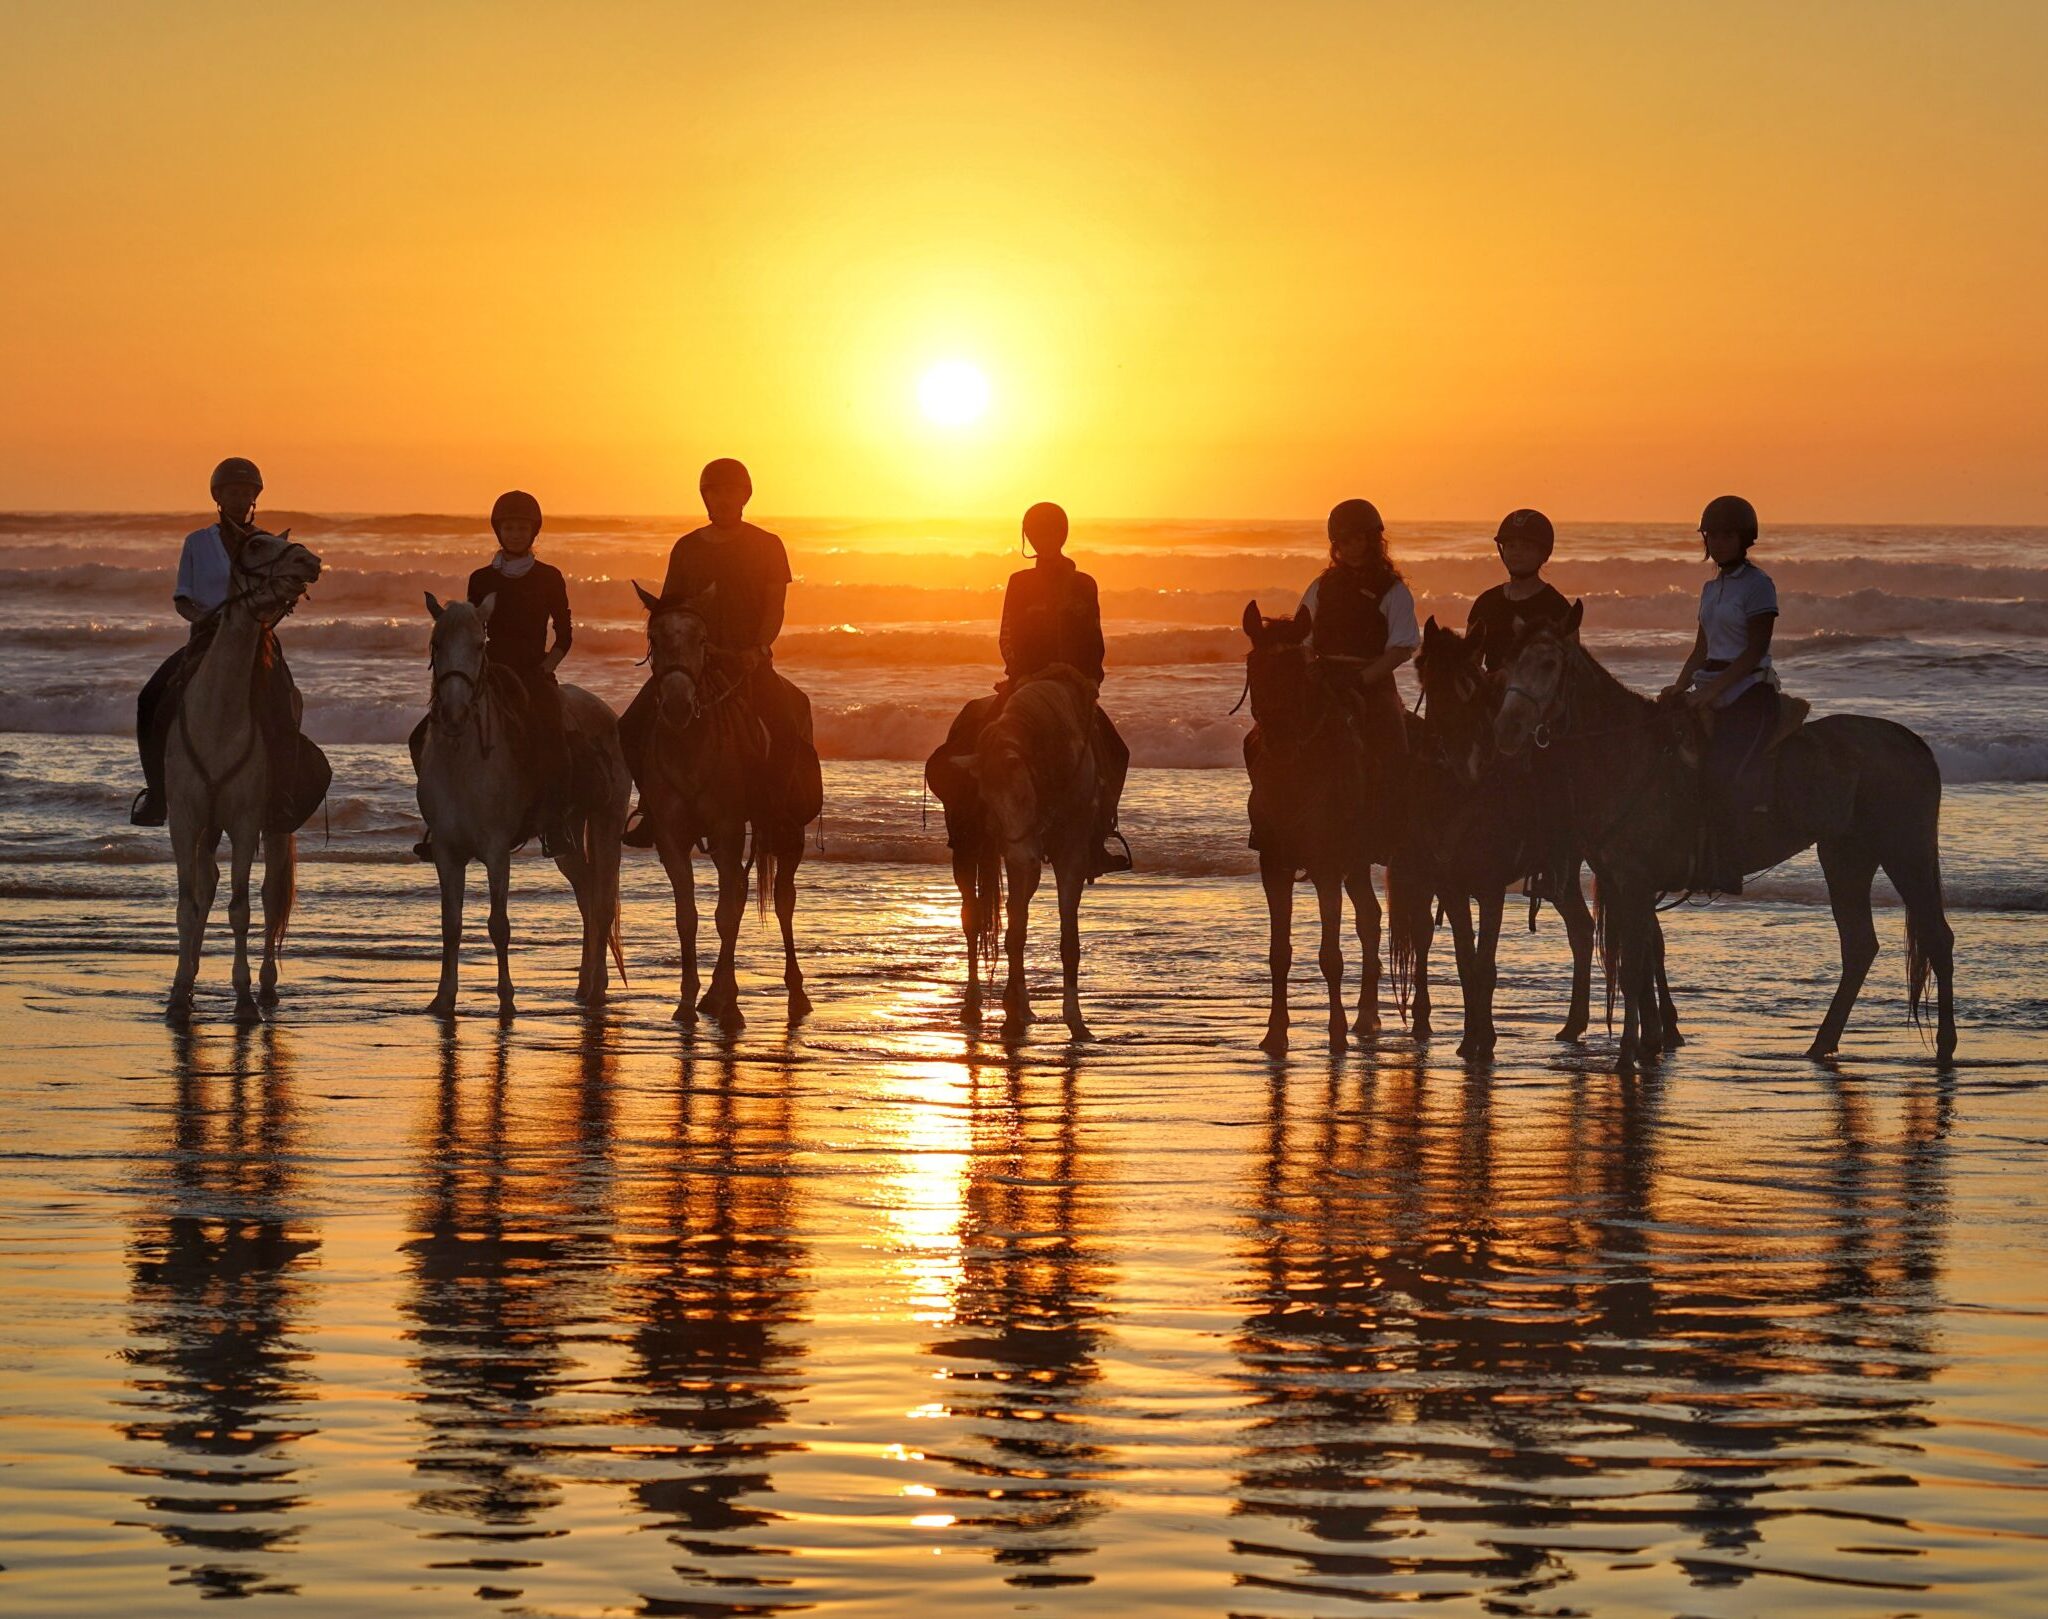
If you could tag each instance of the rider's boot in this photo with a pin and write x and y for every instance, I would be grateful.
(1111, 854)
(149, 808)
(639, 833)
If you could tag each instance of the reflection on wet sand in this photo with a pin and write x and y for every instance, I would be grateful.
(507, 1272)
(1489, 1356)
(712, 1302)
(218, 1260)
(1029, 1316)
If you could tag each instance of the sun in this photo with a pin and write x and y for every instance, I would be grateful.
(953, 393)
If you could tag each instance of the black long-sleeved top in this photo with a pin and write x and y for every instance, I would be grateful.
(751, 571)
(1051, 615)
(518, 631)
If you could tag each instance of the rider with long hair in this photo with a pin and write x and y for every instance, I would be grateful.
(1362, 618)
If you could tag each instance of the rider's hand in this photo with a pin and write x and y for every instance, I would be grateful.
(1672, 693)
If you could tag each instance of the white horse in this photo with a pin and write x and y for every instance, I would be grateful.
(217, 778)
(478, 795)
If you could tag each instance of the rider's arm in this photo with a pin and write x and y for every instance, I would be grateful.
(188, 609)
(1092, 643)
(774, 585)
(1755, 649)
(565, 631)
(1385, 664)
(1693, 660)
(1006, 637)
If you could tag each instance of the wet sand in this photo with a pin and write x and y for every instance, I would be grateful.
(349, 1313)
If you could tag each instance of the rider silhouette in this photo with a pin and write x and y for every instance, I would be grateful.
(749, 569)
(205, 577)
(1051, 615)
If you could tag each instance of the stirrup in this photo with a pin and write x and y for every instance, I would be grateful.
(639, 830)
(142, 812)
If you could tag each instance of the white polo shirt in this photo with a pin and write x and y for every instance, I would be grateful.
(1728, 601)
(204, 574)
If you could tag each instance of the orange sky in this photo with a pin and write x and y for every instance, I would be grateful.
(1214, 260)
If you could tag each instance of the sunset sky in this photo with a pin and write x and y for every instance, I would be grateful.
(1206, 260)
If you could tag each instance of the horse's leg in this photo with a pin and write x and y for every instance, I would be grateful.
(604, 878)
(1465, 957)
(1570, 903)
(198, 877)
(682, 879)
(1667, 1008)
(1330, 954)
(964, 865)
(498, 867)
(1023, 876)
(785, 913)
(570, 863)
(280, 870)
(1480, 1035)
(1849, 868)
(1929, 936)
(241, 860)
(453, 871)
(1631, 916)
(722, 1000)
(1070, 876)
(1365, 919)
(1278, 878)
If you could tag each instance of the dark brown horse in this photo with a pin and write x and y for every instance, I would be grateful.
(703, 785)
(1865, 792)
(1310, 817)
(1481, 827)
(1033, 775)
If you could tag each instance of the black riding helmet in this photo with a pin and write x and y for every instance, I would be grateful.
(514, 503)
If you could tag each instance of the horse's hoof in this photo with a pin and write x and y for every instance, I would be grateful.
(1673, 1040)
(1423, 1029)
(506, 1009)
(799, 1005)
(1945, 1049)
(685, 1014)
(441, 1006)
(246, 1010)
(267, 996)
(1820, 1051)
(1572, 1033)
(178, 1009)
(1275, 1044)
(1078, 1030)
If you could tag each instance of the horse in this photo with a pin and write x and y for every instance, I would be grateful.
(1864, 792)
(217, 773)
(702, 787)
(479, 796)
(1473, 820)
(1308, 812)
(1035, 779)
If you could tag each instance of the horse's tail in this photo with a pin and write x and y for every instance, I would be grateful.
(277, 908)
(765, 864)
(1409, 925)
(988, 903)
(1608, 948)
(616, 941)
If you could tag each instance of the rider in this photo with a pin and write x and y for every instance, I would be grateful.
(1051, 615)
(531, 596)
(1362, 624)
(1501, 614)
(205, 575)
(750, 569)
(1728, 674)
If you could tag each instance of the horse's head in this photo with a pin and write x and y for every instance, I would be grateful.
(271, 572)
(1533, 696)
(678, 646)
(1277, 667)
(457, 650)
(1459, 699)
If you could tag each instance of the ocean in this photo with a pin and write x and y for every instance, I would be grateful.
(579, 1315)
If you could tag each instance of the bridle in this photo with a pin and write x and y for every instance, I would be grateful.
(479, 698)
(1321, 711)
(700, 705)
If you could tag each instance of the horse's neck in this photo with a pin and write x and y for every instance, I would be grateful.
(1602, 702)
(216, 705)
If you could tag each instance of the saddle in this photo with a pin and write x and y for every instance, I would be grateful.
(299, 771)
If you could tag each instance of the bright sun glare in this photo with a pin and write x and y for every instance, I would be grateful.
(953, 393)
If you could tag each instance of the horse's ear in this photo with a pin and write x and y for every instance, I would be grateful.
(1252, 618)
(285, 534)
(485, 607)
(1431, 630)
(646, 601)
(1571, 619)
(434, 607)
